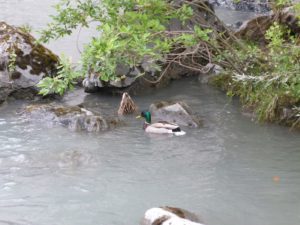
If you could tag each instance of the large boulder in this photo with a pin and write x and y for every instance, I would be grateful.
(23, 62)
(129, 79)
(169, 216)
(74, 118)
(175, 112)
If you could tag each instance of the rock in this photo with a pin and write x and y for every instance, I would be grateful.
(73, 159)
(290, 116)
(260, 6)
(23, 63)
(130, 79)
(73, 117)
(255, 29)
(169, 216)
(175, 112)
(213, 71)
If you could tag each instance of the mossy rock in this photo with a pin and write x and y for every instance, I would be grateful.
(75, 118)
(23, 62)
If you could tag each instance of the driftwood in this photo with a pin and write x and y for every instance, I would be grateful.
(127, 105)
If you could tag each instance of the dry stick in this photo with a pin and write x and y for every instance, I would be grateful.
(202, 56)
(77, 40)
(195, 66)
(203, 6)
(186, 53)
(208, 56)
(178, 56)
(187, 66)
(162, 75)
(208, 53)
(232, 64)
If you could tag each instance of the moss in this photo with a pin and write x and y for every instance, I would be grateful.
(40, 59)
(61, 111)
(47, 61)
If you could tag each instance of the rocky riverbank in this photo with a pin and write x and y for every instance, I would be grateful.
(24, 63)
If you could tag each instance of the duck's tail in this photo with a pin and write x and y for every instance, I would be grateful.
(179, 133)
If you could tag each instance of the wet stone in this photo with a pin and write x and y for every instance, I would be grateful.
(75, 118)
(23, 63)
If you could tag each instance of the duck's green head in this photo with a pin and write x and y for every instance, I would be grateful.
(146, 115)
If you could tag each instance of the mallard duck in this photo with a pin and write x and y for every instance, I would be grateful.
(159, 127)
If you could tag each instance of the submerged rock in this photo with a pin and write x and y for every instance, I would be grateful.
(169, 216)
(73, 159)
(175, 112)
(23, 62)
(73, 117)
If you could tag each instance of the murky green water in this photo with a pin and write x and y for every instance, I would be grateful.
(227, 172)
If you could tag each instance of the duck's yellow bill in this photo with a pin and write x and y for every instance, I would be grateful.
(138, 117)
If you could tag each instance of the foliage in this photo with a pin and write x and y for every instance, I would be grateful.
(131, 31)
(270, 80)
(26, 28)
(65, 79)
(12, 62)
(281, 4)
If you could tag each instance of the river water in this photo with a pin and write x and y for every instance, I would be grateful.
(231, 171)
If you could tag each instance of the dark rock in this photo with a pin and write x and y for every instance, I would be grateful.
(169, 215)
(290, 116)
(23, 63)
(175, 112)
(73, 117)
